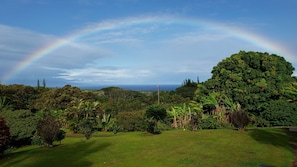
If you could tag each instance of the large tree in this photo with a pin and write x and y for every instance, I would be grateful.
(251, 78)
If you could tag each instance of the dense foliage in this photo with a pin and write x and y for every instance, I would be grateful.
(154, 114)
(23, 124)
(260, 84)
(280, 113)
(251, 78)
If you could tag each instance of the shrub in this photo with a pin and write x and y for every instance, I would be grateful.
(208, 123)
(48, 129)
(131, 121)
(239, 119)
(86, 127)
(154, 114)
(4, 135)
(61, 135)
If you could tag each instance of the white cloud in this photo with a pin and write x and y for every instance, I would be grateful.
(141, 53)
(93, 75)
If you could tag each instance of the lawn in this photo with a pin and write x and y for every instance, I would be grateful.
(209, 148)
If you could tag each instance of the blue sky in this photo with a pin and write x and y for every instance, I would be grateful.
(116, 42)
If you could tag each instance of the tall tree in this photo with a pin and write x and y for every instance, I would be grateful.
(44, 83)
(251, 78)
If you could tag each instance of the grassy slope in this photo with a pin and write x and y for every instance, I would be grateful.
(172, 148)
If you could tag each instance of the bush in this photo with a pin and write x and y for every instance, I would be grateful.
(86, 127)
(154, 114)
(208, 123)
(239, 119)
(48, 129)
(131, 121)
(61, 135)
(4, 135)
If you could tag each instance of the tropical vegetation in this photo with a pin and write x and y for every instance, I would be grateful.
(247, 89)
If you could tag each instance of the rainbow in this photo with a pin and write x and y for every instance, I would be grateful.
(239, 33)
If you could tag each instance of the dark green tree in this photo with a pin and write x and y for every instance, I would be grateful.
(44, 83)
(251, 78)
(23, 124)
(38, 84)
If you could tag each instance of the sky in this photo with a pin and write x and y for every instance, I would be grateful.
(127, 42)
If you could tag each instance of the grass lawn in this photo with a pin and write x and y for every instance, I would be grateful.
(209, 148)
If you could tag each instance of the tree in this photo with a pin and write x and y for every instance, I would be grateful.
(38, 84)
(154, 114)
(187, 90)
(48, 129)
(251, 78)
(4, 135)
(44, 83)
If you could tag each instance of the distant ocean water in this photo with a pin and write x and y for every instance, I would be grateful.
(135, 87)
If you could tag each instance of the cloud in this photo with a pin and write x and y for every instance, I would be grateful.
(144, 53)
(17, 45)
(92, 75)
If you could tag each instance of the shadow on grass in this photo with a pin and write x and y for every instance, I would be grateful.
(275, 137)
(293, 144)
(61, 155)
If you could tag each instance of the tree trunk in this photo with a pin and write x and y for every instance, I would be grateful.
(174, 122)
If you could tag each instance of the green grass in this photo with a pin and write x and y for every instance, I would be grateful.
(209, 148)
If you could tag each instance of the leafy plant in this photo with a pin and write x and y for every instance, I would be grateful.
(154, 114)
(208, 123)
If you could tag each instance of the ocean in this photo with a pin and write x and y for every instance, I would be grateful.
(134, 87)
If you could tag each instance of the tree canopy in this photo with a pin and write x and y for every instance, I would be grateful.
(251, 78)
